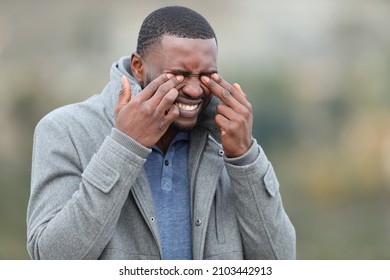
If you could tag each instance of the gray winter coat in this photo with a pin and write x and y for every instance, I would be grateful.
(90, 196)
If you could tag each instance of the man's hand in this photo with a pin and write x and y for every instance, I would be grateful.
(234, 115)
(146, 117)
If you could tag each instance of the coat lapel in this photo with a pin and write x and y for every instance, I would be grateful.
(204, 168)
(143, 197)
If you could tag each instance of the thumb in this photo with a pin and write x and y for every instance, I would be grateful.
(124, 94)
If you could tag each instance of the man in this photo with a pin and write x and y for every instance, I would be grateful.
(166, 169)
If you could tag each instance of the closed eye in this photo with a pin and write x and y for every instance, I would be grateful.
(189, 74)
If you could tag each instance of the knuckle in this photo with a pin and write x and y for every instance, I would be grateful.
(225, 93)
(164, 78)
(218, 78)
(233, 126)
(242, 122)
(218, 121)
(221, 107)
(245, 115)
(230, 88)
(164, 89)
(211, 83)
(161, 126)
(153, 86)
(146, 107)
(173, 113)
(169, 98)
(177, 80)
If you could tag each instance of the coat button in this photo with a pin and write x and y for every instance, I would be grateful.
(198, 222)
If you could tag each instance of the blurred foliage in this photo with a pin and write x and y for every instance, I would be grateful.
(316, 72)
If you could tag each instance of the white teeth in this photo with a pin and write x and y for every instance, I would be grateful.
(186, 107)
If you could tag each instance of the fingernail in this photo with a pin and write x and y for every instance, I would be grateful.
(205, 79)
(237, 86)
(215, 76)
(180, 78)
(169, 75)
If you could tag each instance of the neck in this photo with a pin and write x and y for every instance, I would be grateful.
(166, 139)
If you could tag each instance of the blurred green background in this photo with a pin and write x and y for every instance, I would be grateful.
(317, 73)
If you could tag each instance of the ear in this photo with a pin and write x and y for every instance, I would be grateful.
(137, 67)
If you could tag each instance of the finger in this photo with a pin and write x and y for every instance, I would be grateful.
(169, 116)
(222, 122)
(124, 94)
(234, 90)
(238, 88)
(165, 88)
(168, 80)
(223, 94)
(167, 102)
(224, 90)
(152, 87)
(237, 120)
(226, 111)
(172, 114)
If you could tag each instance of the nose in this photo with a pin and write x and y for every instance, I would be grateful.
(192, 87)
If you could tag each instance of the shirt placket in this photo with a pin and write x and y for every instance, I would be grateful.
(167, 170)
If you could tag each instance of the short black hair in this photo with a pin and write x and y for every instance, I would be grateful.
(176, 21)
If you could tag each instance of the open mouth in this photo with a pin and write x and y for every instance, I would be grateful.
(186, 107)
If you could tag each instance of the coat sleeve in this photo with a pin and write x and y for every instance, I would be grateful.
(266, 230)
(73, 209)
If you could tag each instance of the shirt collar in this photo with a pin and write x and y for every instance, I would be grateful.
(180, 136)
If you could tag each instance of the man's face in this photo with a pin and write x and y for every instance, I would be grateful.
(191, 58)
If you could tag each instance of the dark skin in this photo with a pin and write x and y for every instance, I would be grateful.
(178, 78)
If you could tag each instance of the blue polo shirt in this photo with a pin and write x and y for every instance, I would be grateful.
(168, 179)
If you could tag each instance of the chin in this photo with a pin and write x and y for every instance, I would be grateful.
(183, 126)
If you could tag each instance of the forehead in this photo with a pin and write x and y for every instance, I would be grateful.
(169, 41)
(186, 52)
